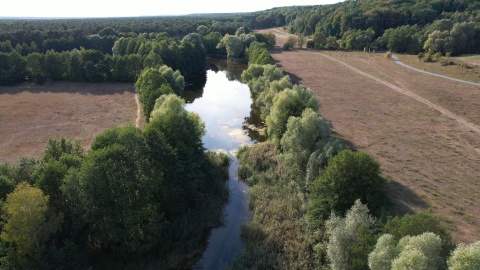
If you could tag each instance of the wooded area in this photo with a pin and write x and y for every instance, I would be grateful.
(148, 197)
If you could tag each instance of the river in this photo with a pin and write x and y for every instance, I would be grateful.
(224, 104)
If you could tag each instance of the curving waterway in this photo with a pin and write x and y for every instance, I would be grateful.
(223, 105)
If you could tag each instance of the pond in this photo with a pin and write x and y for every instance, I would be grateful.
(224, 105)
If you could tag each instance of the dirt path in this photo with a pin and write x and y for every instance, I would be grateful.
(398, 61)
(139, 112)
(409, 93)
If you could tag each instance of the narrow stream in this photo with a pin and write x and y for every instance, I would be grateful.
(223, 105)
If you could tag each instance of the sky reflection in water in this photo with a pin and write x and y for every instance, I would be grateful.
(223, 107)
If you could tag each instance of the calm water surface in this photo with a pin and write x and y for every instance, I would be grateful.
(224, 105)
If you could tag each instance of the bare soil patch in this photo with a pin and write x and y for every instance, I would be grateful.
(412, 123)
(31, 114)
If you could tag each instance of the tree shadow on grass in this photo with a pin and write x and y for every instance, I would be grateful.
(70, 87)
(404, 198)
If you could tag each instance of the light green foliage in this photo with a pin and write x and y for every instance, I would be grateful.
(153, 60)
(148, 87)
(167, 104)
(429, 244)
(258, 54)
(465, 257)
(174, 79)
(410, 259)
(233, 45)
(240, 31)
(264, 100)
(319, 158)
(153, 83)
(348, 176)
(385, 252)
(25, 214)
(202, 30)
(259, 77)
(290, 102)
(439, 41)
(303, 135)
(411, 252)
(344, 235)
(236, 44)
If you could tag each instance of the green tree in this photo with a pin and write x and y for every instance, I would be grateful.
(465, 257)
(290, 42)
(350, 239)
(25, 215)
(303, 135)
(384, 253)
(233, 45)
(150, 85)
(174, 136)
(290, 102)
(348, 176)
(117, 193)
(36, 67)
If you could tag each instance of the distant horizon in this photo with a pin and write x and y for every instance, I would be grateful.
(56, 9)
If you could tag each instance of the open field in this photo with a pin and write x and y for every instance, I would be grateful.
(464, 68)
(31, 114)
(424, 130)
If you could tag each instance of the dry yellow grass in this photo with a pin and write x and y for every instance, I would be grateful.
(31, 114)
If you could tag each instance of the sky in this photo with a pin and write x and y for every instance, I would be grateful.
(136, 8)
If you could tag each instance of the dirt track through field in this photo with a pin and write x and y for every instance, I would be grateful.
(409, 93)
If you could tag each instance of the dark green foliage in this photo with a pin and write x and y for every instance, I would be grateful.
(348, 176)
(417, 224)
(258, 54)
(7, 185)
(12, 68)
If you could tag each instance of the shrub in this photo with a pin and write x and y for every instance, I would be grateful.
(348, 176)
(388, 55)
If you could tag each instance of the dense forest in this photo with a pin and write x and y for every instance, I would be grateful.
(430, 26)
(147, 198)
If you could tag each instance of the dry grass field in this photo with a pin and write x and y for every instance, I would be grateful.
(31, 114)
(464, 68)
(424, 130)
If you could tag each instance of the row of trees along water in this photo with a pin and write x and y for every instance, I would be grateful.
(318, 204)
(139, 197)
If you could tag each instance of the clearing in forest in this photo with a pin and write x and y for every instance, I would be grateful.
(31, 114)
(423, 130)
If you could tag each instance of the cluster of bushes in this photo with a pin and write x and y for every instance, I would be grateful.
(317, 204)
(143, 198)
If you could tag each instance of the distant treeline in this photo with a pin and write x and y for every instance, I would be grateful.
(68, 34)
(400, 26)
